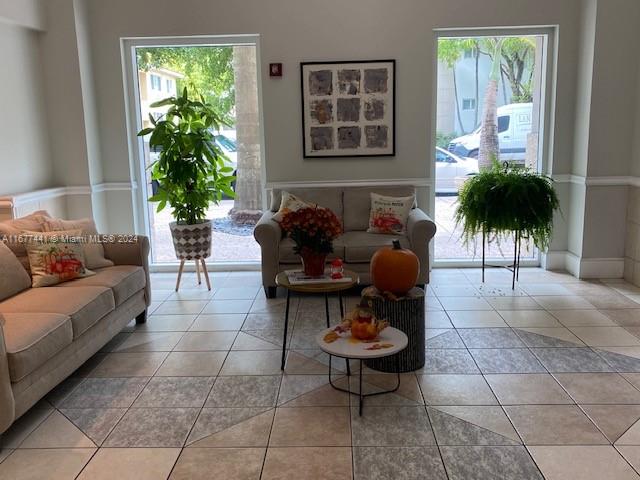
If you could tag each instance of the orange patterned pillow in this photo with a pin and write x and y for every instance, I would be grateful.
(55, 257)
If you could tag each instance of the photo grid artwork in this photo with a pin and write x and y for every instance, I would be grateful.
(348, 108)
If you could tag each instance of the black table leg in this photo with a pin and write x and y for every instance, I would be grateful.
(286, 326)
(326, 308)
(360, 391)
(341, 306)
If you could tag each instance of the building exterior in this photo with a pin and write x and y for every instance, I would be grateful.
(154, 85)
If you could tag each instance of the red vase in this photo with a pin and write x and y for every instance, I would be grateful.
(313, 263)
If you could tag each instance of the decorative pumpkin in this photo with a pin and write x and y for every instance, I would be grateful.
(364, 325)
(394, 269)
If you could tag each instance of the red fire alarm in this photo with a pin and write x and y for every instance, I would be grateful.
(275, 69)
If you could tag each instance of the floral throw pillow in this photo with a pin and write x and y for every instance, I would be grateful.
(389, 214)
(290, 203)
(55, 257)
(93, 250)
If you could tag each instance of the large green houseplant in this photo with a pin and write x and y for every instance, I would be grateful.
(191, 170)
(501, 202)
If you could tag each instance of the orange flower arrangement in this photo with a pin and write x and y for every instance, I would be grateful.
(312, 229)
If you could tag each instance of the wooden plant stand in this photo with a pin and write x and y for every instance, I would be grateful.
(205, 272)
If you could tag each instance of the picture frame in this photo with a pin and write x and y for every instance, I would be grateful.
(348, 108)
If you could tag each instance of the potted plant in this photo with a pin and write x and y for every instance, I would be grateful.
(190, 172)
(313, 230)
(504, 201)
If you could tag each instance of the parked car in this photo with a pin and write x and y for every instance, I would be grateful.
(452, 170)
(514, 124)
(228, 147)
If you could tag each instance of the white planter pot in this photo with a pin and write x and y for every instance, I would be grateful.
(191, 242)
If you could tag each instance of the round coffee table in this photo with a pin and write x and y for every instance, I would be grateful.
(349, 348)
(313, 288)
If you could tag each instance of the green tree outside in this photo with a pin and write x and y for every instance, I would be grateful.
(208, 70)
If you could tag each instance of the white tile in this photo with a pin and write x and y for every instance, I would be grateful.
(228, 306)
(513, 303)
(582, 318)
(605, 336)
(464, 303)
(529, 318)
(549, 289)
(560, 462)
(551, 302)
(476, 319)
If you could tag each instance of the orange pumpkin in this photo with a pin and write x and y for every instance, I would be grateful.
(394, 269)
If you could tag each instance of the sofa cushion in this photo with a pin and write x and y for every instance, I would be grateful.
(357, 204)
(85, 305)
(286, 254)
(32, 339)
(124, 280)
(10, 229)
(330, 198)
(359, 247)
(13, 278)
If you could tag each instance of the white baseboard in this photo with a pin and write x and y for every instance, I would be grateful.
(583, 267)
(602, 268)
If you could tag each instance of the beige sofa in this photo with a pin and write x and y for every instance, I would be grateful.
(47, 333)
(355, 246)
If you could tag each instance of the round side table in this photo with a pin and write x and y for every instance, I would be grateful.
(348, 348)
(314, 288)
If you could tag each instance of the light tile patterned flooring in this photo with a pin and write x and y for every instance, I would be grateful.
(540, 382)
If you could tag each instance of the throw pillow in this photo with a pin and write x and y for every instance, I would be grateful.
(389, 214)
(13, 277)
(290, 203)
(93, 250)
(10, 231)
(55, 257)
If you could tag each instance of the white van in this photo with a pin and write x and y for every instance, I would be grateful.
(514, 124)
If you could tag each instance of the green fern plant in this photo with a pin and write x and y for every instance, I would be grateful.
(502, 200)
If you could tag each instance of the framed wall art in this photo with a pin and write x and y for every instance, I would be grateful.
(348, 108)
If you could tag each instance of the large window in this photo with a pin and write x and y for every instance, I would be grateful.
(503, 81)
(227, 77)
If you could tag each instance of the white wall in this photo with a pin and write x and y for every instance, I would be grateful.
(25, 163)
(86, 109)
(25, 13)
(291, 33)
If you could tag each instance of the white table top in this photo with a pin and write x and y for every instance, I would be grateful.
(348, 347)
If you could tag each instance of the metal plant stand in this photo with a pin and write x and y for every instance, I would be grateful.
(515, 268)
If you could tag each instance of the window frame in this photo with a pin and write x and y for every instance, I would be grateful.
(134, 123)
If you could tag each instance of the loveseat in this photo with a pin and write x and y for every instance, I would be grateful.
(355, 246)
(47, 333)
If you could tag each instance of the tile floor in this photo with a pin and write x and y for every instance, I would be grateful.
(539, 382)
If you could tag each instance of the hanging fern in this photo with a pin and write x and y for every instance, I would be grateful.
(503, 200)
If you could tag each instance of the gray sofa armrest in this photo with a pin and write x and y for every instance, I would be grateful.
(130, 250)
(7, 402)
(420, 230)
(268, 234)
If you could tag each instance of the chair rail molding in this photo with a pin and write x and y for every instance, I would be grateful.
(12, 206)
(597, 181)
(416, 182)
